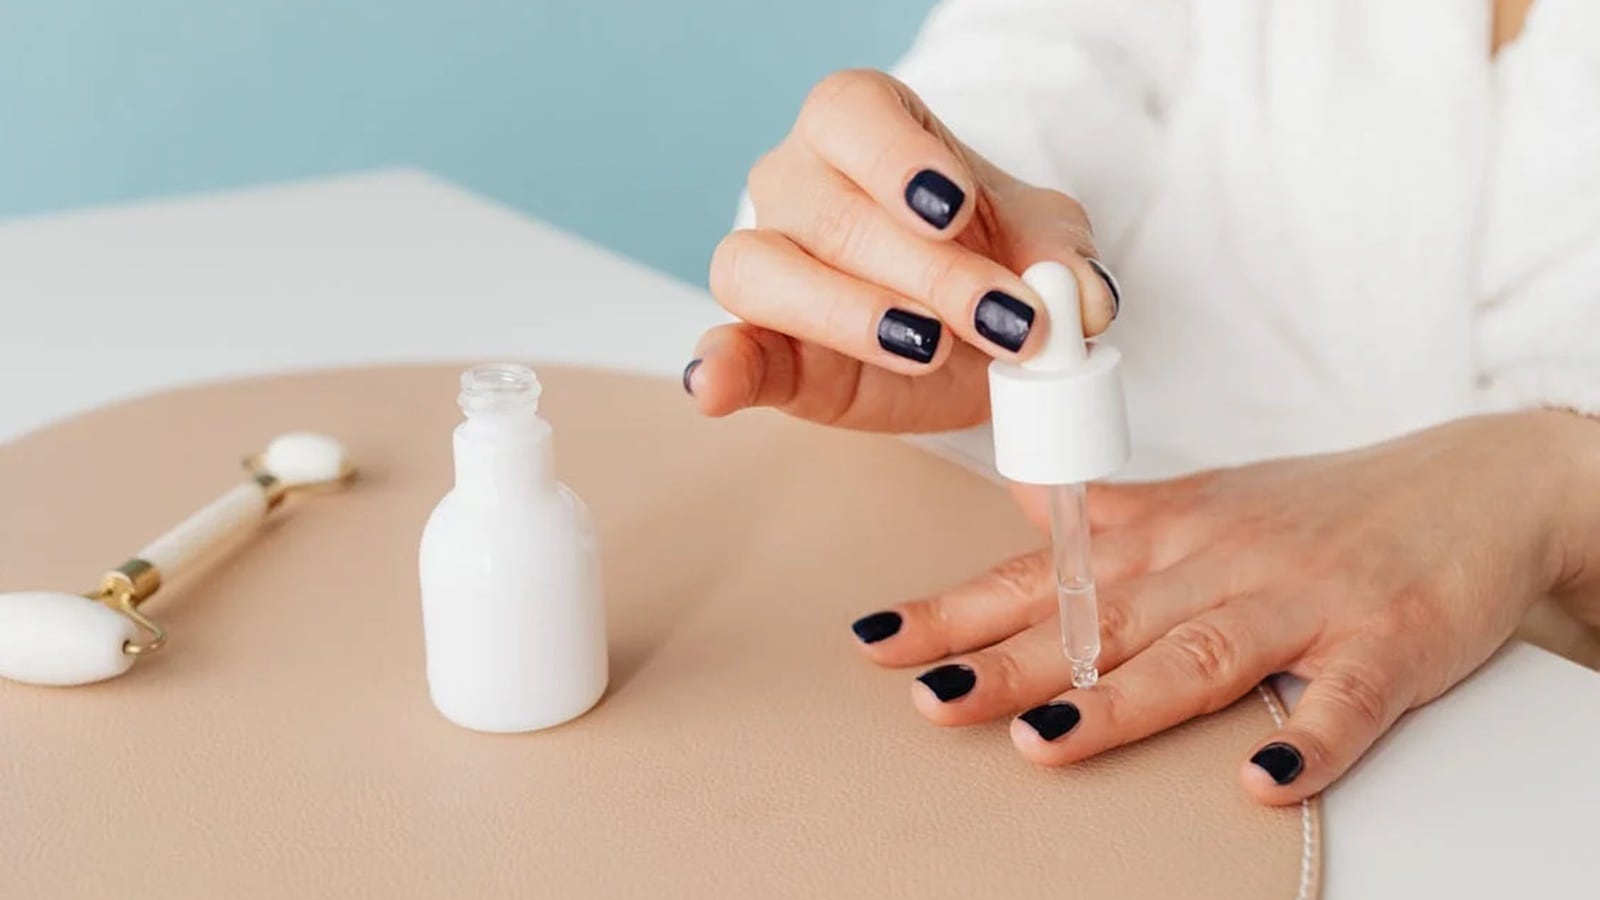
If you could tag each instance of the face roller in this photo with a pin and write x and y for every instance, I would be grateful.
(1059, 421)
(63, 639)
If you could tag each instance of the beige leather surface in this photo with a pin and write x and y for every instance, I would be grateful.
(283, 744)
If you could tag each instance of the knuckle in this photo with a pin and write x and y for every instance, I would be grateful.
(1072, 221)
(1117, 624)
(1115, 712)
(763, 179)
(1133, 551)
(839, 231)
(838, 314)
(1074, 211)
(1411, 614)
(1391, 625)
(728, 262)
(1317, 753)
(1205, 650)
(1007, 670)
(1021, 577)
(929, 621)
(1362, 695)
(1085, 226)
(1247, 531)
(826, 93)
(1187, 496)
(1417, 606)
(940, 282)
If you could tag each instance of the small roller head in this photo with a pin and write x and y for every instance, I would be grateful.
(304, 457)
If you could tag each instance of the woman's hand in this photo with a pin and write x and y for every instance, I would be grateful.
(880, 278)
(1383, 576)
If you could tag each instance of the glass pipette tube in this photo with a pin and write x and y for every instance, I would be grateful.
(1080, 614)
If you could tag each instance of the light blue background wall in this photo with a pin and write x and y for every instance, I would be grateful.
(630, 121)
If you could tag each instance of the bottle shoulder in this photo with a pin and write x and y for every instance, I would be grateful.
(548, 517)
(574, 503)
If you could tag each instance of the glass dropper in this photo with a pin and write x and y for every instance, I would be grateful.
(1080, 615)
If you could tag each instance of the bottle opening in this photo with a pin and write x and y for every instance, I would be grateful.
(499, 387)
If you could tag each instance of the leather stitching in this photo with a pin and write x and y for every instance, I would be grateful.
(1308, 814)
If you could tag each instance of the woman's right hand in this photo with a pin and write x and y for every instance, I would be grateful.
(881, 275)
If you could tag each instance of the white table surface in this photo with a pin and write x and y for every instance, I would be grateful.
(1490, 792)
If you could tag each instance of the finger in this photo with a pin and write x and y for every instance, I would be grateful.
(739, 365)
(1199, 667)
(1004, 600)
(997, 604)
(874, 131)
(982, 301)
(1037, 224)
(764, 278)
(1137, 610)
(1354, 700)
(1031, 667)
(1020, 672)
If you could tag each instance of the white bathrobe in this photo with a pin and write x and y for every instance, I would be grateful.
(1333, 222)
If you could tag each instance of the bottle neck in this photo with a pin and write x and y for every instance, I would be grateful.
(504, 456)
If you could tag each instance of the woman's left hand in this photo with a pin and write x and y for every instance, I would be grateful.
(1382, 576)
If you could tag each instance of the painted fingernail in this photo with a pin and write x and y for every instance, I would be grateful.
(1279, 760)
(1111, 284)
(877, 627)
(688, 374)
(949, 682)
(908, 334)
(1003, 319)
(935, 198)
(1052, 720)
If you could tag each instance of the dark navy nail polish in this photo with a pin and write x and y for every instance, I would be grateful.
(1279, 760)
(935, 198)
(1111, 284)
(1003, 319)
(1052, 720)
(877, 627)
(688, 372)
(908, 334)
(949, 682)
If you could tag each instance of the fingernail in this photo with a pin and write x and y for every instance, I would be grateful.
(876, 627)
(688, 373)
(908, 334)
(1003, 319)
(949, 682)
(1111, 284)
(935, 198)
(1052, 720)
(1279, 760)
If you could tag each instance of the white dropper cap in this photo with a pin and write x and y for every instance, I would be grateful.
(1059, 417)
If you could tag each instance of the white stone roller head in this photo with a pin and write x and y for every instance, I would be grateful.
(61, 639)
(304, 457)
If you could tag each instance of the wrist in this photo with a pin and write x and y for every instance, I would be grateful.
(1572, 458)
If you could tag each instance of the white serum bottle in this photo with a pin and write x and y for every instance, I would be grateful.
(513, 619)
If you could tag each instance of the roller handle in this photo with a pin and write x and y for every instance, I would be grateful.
(224, 517)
